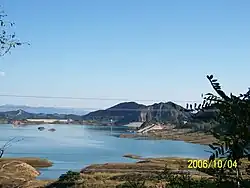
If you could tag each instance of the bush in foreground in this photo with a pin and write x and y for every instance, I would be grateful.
(70, 179)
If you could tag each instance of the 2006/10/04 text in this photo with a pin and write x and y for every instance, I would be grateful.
(212, 164)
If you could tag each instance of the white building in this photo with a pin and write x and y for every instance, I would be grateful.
(134, 124)
(50, 120)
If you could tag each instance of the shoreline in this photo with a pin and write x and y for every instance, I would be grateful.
(110, 175)
(185, 135)
(116, 173)
(113, 174)
(190, 137)
(44, 123)
(35, 162)
(148, 169)
(23, 172)
(142, 168)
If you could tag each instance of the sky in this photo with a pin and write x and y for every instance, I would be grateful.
(139, 50)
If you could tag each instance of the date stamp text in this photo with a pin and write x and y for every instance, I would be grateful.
(193, 164)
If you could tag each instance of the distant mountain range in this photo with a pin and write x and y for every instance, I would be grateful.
(44, 110)
(22, 115)
(120, 114)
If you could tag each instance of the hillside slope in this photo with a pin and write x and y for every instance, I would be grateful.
(128, 112)
(167, 112)
(122, 113)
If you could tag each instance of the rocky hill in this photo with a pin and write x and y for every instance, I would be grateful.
(166, 112)
(127, 112)
(122, 113)
(15, 115)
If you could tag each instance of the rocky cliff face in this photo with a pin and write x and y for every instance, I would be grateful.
(170, 112)
(144, 115)
(17, 174)
(165, 112)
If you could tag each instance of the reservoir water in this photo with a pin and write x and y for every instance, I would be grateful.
(73, 147)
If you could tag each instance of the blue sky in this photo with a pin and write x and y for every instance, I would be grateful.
(143, 49)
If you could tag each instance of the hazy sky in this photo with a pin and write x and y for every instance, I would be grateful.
(133, 49)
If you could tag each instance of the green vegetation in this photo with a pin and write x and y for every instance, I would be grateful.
(129, 184)
(232, 132)
(8, 39)
(3, 121)
(70, 179)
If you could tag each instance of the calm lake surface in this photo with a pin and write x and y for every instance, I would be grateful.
(73, 147)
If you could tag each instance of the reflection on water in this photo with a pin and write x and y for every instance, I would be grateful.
(72, 147)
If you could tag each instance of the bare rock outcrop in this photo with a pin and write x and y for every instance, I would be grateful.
(17, 173)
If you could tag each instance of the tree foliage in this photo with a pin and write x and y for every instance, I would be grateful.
(69, 179)
(8, 39)
(233, 130)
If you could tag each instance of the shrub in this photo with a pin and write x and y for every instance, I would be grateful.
(70, 179)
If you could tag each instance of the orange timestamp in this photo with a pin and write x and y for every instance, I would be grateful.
(193, 164)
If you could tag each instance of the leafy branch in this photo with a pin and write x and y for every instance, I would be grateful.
(8, 39)
(233, 117)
